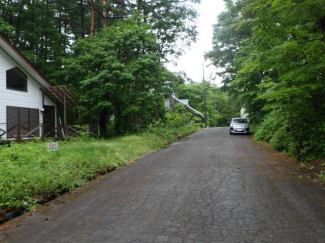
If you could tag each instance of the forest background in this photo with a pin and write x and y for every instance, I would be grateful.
(113, 55)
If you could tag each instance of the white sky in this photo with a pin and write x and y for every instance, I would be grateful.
(191, 62)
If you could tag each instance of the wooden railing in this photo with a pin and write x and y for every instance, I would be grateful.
(22, 132)
(59, 132)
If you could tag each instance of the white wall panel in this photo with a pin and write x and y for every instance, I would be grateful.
(33, 98)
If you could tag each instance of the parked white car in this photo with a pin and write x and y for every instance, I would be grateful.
(239, 125)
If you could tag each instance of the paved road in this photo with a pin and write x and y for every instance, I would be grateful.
(209, 187)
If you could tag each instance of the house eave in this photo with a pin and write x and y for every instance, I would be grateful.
(23, 62)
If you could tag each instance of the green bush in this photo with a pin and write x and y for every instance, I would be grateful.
(266, 130)
(300, 136)
(279, 140)
(180, 117)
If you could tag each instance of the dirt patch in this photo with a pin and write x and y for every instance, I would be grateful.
(312, 171)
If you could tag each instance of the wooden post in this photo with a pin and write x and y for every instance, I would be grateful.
(42, 132)
(65, 114)
(18, 132)
(42, 125)
(57, 131)
(42, 99)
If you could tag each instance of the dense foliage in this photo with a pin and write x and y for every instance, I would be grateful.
(44, 30)
(273, 53)
(111, 53)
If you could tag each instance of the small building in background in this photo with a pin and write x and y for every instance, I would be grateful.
(173, 100)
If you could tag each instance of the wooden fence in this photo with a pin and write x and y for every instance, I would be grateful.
(19, 132)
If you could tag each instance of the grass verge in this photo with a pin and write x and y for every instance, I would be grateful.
(30, 175)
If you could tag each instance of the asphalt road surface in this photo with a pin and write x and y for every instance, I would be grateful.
(208, 187)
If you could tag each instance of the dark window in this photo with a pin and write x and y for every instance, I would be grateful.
(49, 121)
(27, 119)
(16, 80)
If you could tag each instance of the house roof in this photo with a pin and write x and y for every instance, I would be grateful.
(61, 95)
(22, 61)
(56, 93)
(189, 108)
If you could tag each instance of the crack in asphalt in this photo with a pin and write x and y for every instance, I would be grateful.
(209, 187)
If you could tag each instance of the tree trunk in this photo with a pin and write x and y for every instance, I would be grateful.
(104, 14)
(91, 121)
(118, 119)
(92, 18)
(10, 13)
(32, 44)
(102, 122)
(21, 9)
(157, 113)
(82, 16)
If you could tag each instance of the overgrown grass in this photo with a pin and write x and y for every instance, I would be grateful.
(252, 128)
(31, 175)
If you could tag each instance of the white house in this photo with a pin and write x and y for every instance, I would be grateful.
(173, 100)
(28, 101)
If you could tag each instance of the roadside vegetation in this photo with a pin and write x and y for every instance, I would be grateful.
(30, 175)
(273, 57)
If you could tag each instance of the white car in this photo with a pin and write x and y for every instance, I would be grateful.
(239, 125)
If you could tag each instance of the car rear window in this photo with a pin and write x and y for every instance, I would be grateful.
(240, 120)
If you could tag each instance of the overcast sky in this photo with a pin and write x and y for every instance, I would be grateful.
(191, 62)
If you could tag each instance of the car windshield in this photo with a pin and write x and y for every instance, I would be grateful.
(238, 120)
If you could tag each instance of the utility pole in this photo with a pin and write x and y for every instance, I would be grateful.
(204, 101)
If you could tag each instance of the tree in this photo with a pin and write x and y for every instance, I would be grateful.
(118, 72)
(273, 52)
(171, 21)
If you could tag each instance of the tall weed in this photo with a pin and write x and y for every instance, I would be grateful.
(30, 175)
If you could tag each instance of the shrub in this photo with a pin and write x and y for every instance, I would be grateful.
(279, 140)
(301, 136)
(267, 128)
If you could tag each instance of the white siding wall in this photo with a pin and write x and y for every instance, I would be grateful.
(166, 104)
(30, 99)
